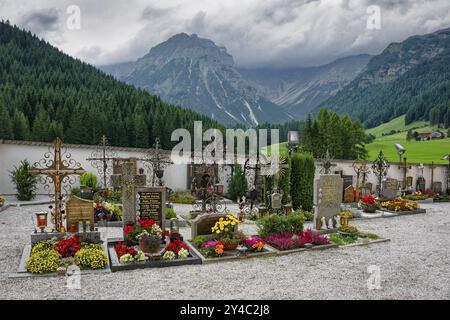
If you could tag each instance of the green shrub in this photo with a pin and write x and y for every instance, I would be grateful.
(280, 223)
(43, 261)
(90, 180)
(302, 181)
(309, 216)
(373, 236)
(238, 184)
(199, 240)
(24, 180)
(91, 258)
(341, 240)
(170, 213)
(115, 196)
(182, 197)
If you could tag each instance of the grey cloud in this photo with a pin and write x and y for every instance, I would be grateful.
(42, 21)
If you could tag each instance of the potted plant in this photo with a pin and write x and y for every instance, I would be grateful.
(88, 185)
(225, 231)
(348, 230)
(369, 204)
(2, 201)
(149, 243)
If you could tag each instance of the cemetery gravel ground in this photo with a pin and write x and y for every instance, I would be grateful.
(415, 264)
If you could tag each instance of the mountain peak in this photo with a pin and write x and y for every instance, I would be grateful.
(191, 47)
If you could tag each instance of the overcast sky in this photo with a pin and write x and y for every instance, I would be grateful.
(274, 33)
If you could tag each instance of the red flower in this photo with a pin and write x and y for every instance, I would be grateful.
(131, 251)
(148, 223)
(176, 245)
(128, 229)
(120, 248)
(68, 246)
(368, 199)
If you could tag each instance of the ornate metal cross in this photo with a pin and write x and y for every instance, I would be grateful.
(326, 163)
(99, 159)
(57, 169)
(380, 168)
(156, 162)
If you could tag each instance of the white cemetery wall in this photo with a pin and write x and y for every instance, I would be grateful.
(12, 152)
(440, 172)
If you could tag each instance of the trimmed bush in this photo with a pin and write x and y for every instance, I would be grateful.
(170, 213)
(280, 223)
(238, 184)
(90, 180)
(302, 181)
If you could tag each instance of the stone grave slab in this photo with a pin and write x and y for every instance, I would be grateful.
(203, 223)
(327, 199)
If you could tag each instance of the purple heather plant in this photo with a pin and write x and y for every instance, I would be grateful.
(291, 240)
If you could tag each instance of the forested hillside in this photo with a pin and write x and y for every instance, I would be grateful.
(45, 93)
(411, 77)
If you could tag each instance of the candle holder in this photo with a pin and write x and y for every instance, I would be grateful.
(41, 217)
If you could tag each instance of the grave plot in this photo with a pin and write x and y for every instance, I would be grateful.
(215, 238)
(345, 239)
(401, 206)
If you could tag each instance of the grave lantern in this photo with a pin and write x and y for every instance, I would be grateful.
(293, 141)
(41, 217)
(174, 229)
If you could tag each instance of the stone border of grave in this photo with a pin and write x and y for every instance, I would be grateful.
(22, 271)
(318, 247)
(268, 252)
(358, 244)
(405, 213)
(115, 265)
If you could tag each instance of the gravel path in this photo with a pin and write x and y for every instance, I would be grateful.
(415, 264)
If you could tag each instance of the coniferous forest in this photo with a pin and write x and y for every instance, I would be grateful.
(45, 93)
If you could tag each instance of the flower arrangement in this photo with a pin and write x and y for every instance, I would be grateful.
(400, 204)
(149, 226)
(128, 254)
(109, 211)
(419, 196)
(91, 258)
(176, 249)
(213, 249)
(48, 255)
(254, 244)
(369, 203)
(68, 246)
(225, 226)
(291, 240)
(348, 229)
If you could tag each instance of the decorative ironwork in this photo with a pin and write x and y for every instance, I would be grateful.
(156, 162)
(57, 166)
(326, 163)
(362, 171)
(100, 158)
(380, 168)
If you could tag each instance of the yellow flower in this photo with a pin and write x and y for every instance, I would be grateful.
(218, 231)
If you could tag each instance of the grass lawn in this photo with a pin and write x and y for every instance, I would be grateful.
(416, 151)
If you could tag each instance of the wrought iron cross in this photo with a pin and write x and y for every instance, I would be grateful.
(58, 169)
(380, 168)
(157, 162)
(326, 163)
(100, 158)
(362, 170)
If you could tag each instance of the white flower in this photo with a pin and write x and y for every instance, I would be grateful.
(126, 258)
(140, 256)
(169, 255)
(183, 253)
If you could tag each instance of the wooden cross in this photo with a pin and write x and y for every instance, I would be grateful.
(57, 169)
(128, 180)
(361, 170)
(405, 166)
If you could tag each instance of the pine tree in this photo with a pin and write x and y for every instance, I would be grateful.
(238, 184)
(41, 125)
(21, 127)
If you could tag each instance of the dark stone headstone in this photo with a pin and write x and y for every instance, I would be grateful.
(151, 202)
(420, 184)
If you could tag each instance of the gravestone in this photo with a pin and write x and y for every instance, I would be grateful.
(327, 199)
(128, 181)
(151, 202)
(437, 187)
(420, 184)
(79, 210)
(409, 182)
(276, 200)
(349, 194)
(390, 189)
(202, 224)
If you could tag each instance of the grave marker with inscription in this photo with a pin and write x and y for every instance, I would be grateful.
(327, 198)
(202, 224)
(151, 202)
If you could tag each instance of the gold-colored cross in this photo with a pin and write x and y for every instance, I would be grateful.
(57, 171)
